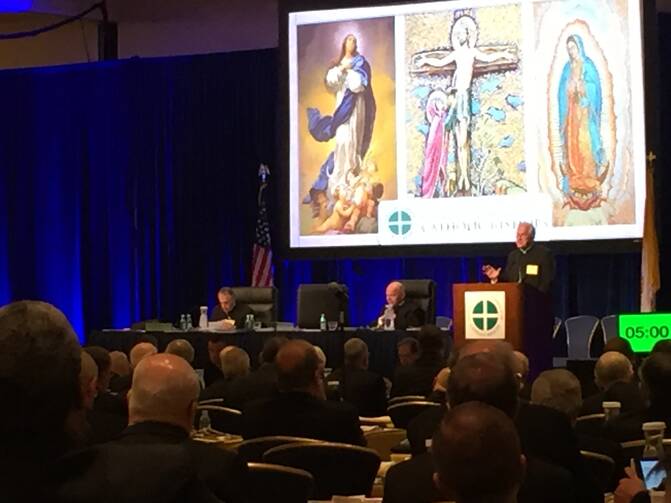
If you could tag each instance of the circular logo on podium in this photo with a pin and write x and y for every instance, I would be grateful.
(485, 316)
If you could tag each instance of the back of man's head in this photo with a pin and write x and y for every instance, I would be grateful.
(40, 361)
(663, 346)
(103, 361)
(484, 377)
(558, 389)
(477, 455)
(430, 340)
(181, 347)
(165, 389)
(356, 353)
(234, 362)
(141, 351)
(271, 347)
(620, 345)
(297, 365)
(120, 364)
(612, 367)
(656, 377)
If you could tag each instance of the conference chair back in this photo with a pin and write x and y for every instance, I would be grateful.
(402, 413)
(252, 450)
(267, 482)
(261, 300)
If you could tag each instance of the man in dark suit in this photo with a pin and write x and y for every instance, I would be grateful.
(407, 313)
(261, 383)
(39, 383)
(109, 415)
(300, 408)
(234, 366)
(229, 309)
(488, 378)
(417, 378)
(358, 385)
(162, 404)
(656, 383)
(530, 263)
(613, 375)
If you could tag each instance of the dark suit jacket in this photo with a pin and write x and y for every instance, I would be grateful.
(363, 389)
(412, 482)
(238, 314)
(627, 393)
(537, 255)
(417, 378)
(221, 470)
(626, 427)
(547, 434)
(108, 418)
(422, 427)
(300, 414)
(262, 383)
(408, 314)
(114, 473)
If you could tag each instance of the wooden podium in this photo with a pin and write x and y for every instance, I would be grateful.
(527, 312)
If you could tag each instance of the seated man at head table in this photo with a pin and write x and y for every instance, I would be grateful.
(229, 309)
(407, 313)
(529, 263)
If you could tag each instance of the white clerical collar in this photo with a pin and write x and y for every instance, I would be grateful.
(526, 250)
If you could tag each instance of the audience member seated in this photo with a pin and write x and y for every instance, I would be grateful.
(560, 390)
(109, 415)
(137, 354)
(613, 375)
(408, 351)
(234, 366)
(477, 455)
(229, 309)
(182, 348)
(261, 383)
(162, 404)
(119, 368)
(520, 364)
(488, 378)
(358, 385)
(300, 408)
(417, 378)
(663, 346)
(38, 405)
(408, 313)
(655, 382)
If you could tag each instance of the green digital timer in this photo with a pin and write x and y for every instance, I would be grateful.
(643, 330)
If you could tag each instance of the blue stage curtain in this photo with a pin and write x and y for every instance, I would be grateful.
(128, 191)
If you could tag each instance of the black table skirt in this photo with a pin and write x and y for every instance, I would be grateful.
(381, 344)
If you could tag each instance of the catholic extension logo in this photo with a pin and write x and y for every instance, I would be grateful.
(485, 316)
(400, 222)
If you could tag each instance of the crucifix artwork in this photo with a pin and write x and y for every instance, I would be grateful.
(459, 65)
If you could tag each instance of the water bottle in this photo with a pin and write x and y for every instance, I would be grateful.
(322, 322)
(654, 439)
(204, 422)
(189, 322)
(182, 322)
(202, 321)
(389, 317)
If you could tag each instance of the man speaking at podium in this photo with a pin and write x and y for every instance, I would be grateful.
(530, 263)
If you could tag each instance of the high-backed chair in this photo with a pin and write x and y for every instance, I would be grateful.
(580, 331)
(314, 299)
(384, 440)
(602, 469)
(402, 413)
(266, 482)
(252, 450)
(423, 292)
(338, 469)
(609, 326)
(261, 300)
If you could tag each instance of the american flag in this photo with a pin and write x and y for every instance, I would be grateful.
(262, 255)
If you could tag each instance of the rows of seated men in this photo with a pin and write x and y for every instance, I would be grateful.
(86, 425)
